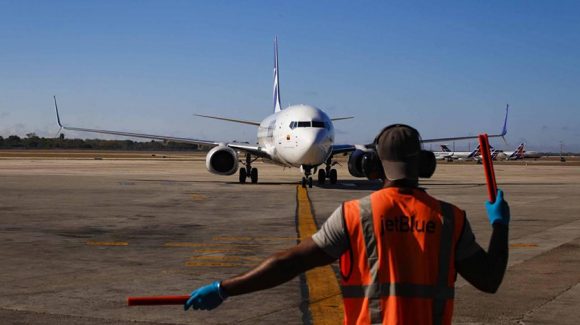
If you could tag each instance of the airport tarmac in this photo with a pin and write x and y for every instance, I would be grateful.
(78, 236)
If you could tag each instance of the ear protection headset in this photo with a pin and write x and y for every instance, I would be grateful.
(373, 168)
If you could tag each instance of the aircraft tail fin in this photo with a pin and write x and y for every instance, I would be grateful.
(494, 152)
(474, 153)
(445, 148)
(518, 153)
(276, 91)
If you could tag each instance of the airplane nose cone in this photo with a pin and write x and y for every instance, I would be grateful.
(313, 147)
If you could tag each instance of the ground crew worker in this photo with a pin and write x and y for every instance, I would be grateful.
(399, 248)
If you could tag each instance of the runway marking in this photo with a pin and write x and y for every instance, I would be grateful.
(324, 293)
(547, 240)
(222, 238)
(215, 264)
(186, 244)
(198, 197)
(222, 250)
(107, 243)
(522, 245)
(232, 238)
(227, 258)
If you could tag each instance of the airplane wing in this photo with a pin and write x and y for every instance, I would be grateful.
(341, 118)
(502, 134)
(229, 119)
(344, 148)
(255, 150)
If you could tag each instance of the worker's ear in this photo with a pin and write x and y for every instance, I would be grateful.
(371, 166)
(427, 164)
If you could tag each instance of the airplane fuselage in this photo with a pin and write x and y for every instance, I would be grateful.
(299, 135)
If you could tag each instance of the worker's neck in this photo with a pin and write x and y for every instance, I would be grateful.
(402, 183)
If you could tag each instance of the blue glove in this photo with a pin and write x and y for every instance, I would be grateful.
(498, 211)
(207, 297)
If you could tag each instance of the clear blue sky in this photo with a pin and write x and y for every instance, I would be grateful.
(147, 66)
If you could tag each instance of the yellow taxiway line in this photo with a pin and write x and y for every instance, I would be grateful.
(325, 300)
(107, 243)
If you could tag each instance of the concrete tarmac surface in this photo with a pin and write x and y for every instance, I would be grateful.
(78, 236)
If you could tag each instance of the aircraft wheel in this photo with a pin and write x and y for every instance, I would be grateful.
(310, 182)
(303, 183)
(321, 177)
(333, 176)
(243, 175)
(254, 175)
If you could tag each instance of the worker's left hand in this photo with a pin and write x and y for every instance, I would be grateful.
(206, 298)
(498, 211)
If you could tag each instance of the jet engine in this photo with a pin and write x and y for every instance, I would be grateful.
(355, 163)
(222, 160)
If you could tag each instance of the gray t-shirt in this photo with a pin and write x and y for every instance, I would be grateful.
(332, 238)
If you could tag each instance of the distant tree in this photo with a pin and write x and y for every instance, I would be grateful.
(33, 141)
(14, 141)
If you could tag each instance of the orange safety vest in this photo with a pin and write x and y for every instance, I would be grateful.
(400, 266)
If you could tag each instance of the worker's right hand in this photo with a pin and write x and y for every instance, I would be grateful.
(498, 211)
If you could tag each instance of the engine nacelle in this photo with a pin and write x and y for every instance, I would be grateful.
(355, 163)
(222, 160)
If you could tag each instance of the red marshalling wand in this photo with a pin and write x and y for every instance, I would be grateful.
(488, 166)
(157, 300)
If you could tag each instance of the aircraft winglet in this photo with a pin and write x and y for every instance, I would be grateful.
(57, 115)
(504, 129)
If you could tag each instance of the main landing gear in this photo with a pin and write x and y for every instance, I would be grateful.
(328, 172)
(323, 174)
(248, 171)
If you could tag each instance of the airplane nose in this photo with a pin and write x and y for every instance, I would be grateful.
(313, 147)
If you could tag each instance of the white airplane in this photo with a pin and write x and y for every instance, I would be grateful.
(467, 155)
(456, 155)
(444, 154)
(299, 136)
(519, 153)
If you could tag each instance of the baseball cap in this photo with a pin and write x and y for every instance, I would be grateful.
(399, 146)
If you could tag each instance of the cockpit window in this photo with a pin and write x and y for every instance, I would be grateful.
(309, 124)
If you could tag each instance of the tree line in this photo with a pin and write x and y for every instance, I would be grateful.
(32, 141)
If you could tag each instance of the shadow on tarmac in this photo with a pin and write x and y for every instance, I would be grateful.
(361, 185)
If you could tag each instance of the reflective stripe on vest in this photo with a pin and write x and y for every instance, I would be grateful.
(372, 292)
(444, 260)
(375, 290)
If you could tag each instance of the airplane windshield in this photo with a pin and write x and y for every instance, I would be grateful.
(308, 124)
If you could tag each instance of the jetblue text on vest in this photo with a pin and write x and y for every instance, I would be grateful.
(407, 224)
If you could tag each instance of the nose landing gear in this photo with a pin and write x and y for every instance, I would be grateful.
(307, 179)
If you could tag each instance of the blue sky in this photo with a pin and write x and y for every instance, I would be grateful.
(447, 68)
